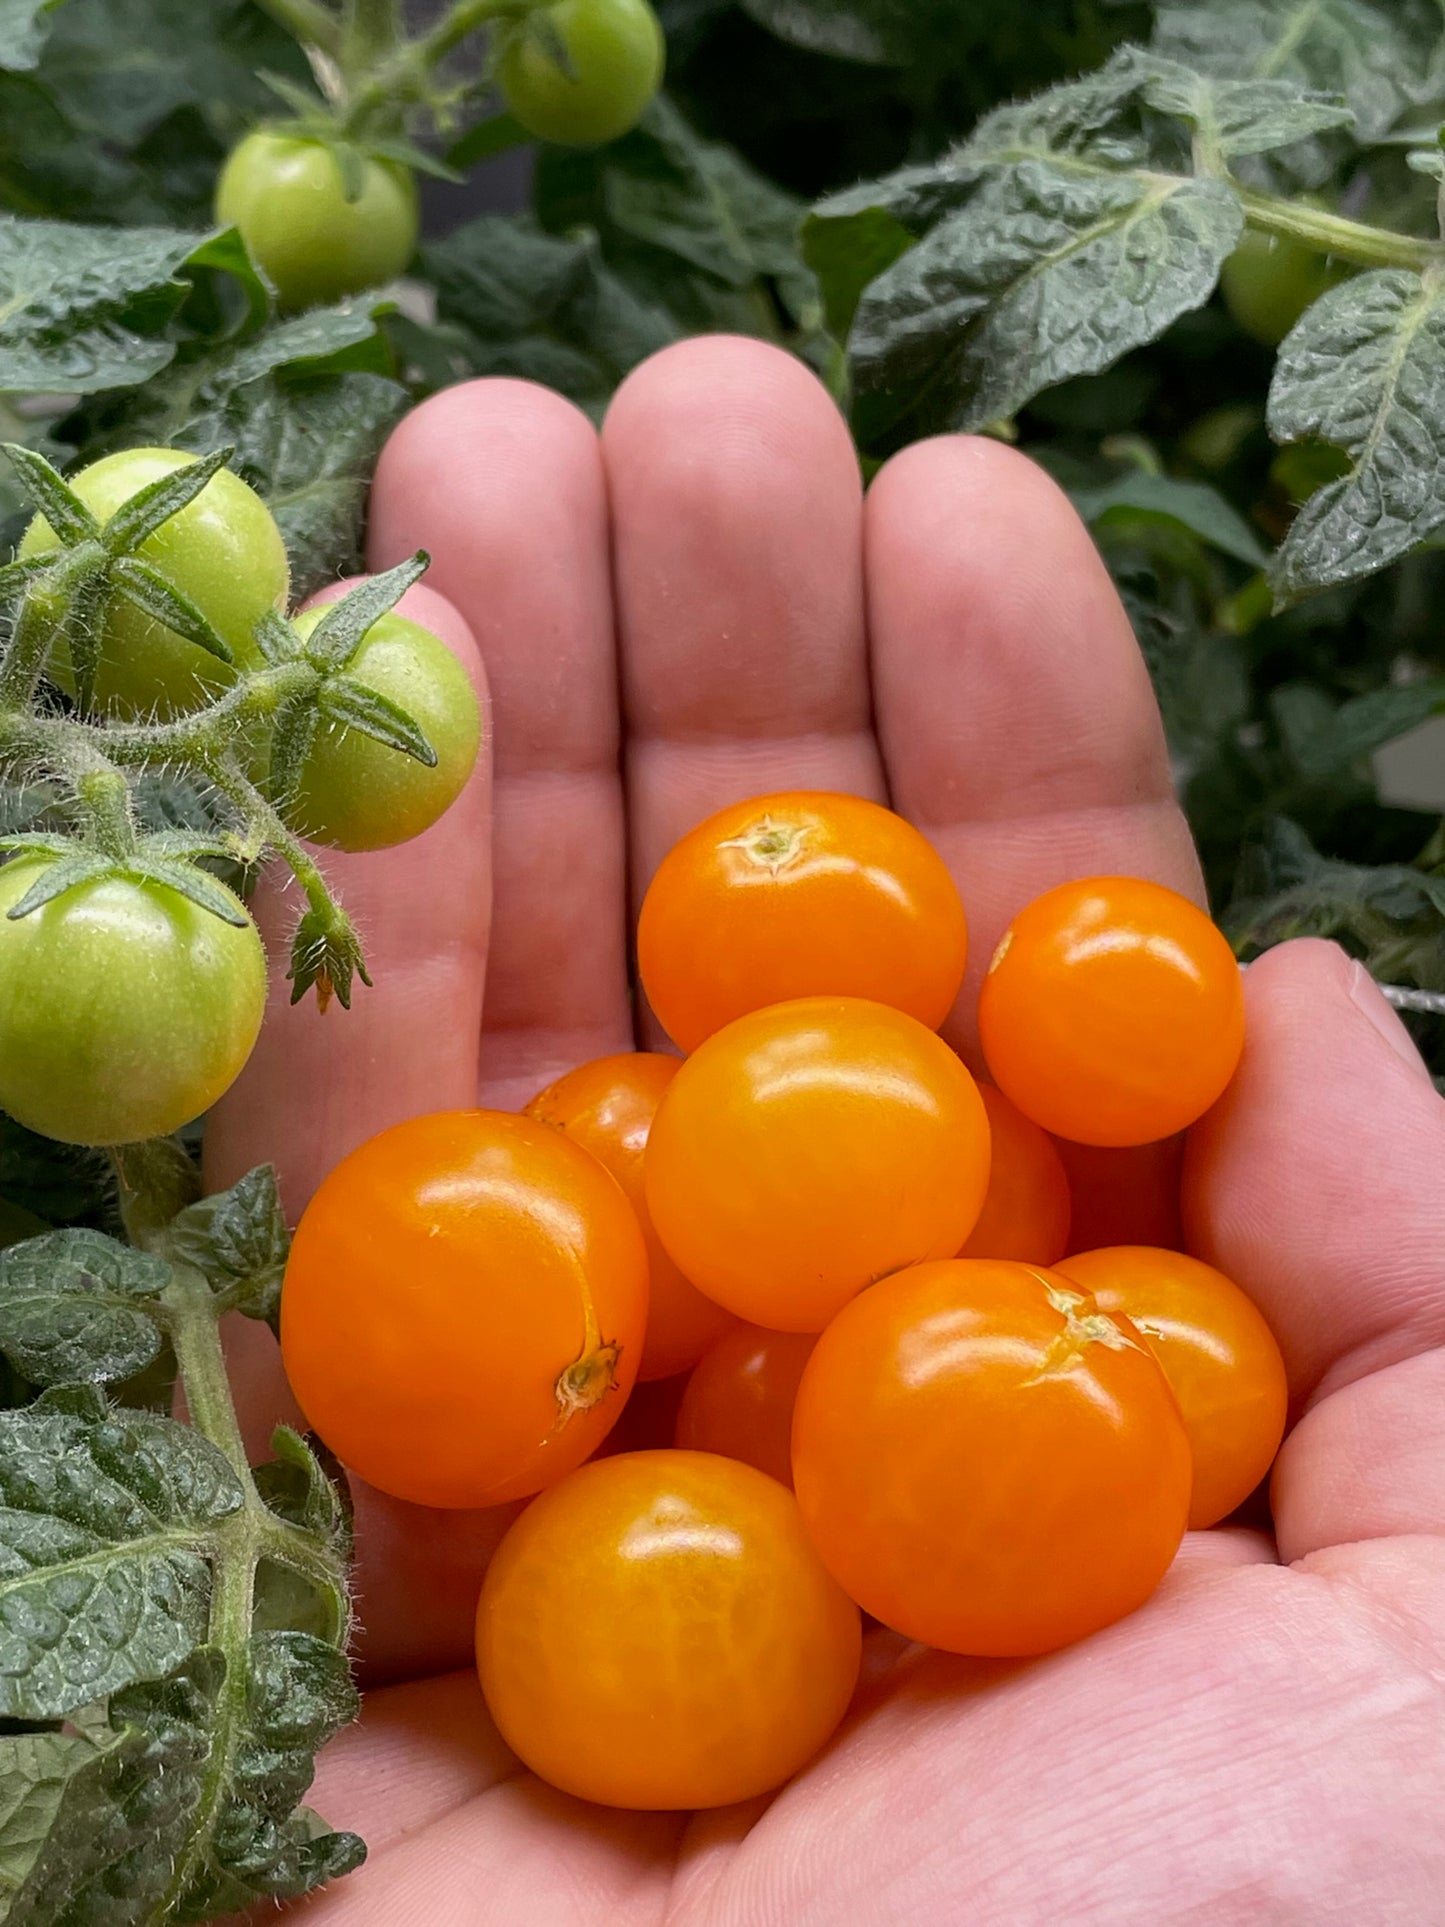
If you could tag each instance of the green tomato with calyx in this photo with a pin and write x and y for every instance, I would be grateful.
(125, 1008)
(615, 54)
(288, 196)
(223, 551)
(356, 793)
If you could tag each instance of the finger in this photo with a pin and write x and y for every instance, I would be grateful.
(1015, 713)
(1316, 1184)
(738, 512)
(320, 1082)
(501, 482)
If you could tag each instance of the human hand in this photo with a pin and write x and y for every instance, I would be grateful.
(699, 606)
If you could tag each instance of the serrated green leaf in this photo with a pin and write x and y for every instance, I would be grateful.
(1334, 739)
(1286, 889)
(1363, 372)
(1042, 274)
(848, 251)
(42, 1782)
(344, 623)
(139, 517)
(78, 1308)
(1238, 117)
(1191, 505)
(347, 704)
(238, 1240)
(82, 308)
(305, 1490)
(1376, 53)
(101, 1580)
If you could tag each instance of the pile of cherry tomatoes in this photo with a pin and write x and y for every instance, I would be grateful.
(863, 1262)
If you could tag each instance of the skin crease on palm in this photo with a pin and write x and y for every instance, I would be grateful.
(698, 606)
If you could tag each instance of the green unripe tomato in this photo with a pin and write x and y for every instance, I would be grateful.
(288, 198)
(617, 52)
(1269, 281)
(358, 794)
(125, 1009)
(223, 550)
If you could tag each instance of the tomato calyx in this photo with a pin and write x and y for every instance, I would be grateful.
(769, 845)
(585, 1382)
(1081, 1329)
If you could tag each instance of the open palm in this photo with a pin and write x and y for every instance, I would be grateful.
(696, 606)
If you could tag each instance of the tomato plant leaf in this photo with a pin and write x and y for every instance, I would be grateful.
(83, 308)
(1237, 117)
(76, 1307)
(158, 501)
(103, 1517)
(846, 252)
(305, 1489)
(149, 591)
(1361, 371)
(1376, 53)
(1333, 739)
(1042, 274)
(875, 31)
(238, 1240)
(1194, 506)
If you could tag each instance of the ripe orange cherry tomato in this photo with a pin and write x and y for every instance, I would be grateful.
(986, 1461)
(464, 1306)
(607, 1107)
(1218, 1354)
(1112, 1011)
(805, 1150)
(1026, 1211)
(656, 1631)
(739, 1399)
(802, 894)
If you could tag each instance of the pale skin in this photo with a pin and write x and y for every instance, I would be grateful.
(696, 606)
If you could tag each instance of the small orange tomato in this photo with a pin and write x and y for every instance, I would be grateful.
(1112, 1012)
(739, 1399)
(1218, 1354)
(657, 1632)
(986, 1461)
(1026, 1211)
(802, 894)
(463, 1308)
(607, 1107)
(807, 1149)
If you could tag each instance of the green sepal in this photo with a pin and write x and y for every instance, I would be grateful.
(326, 953)
(141, 514)
(62, 508)
(148, 590)
(66, 873)
(276, 639)
(350, 704)
(338, 635)
(16, 577)
(189, 882)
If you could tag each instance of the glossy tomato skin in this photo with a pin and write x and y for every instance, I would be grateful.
(607, 1107)
(125, 1009)
(464, 1305)
(355, 793)
(740, 1396)
(616, 52)
(1027, 1209)
(800, 894)
(986, 1462)
(1112, 1012)
(657, 1632)
(807, 1149)
(223, 551)
(1219, 1356)
(288, 197)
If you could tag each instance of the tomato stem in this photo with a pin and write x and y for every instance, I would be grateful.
(1367, 247)
(307, 21)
